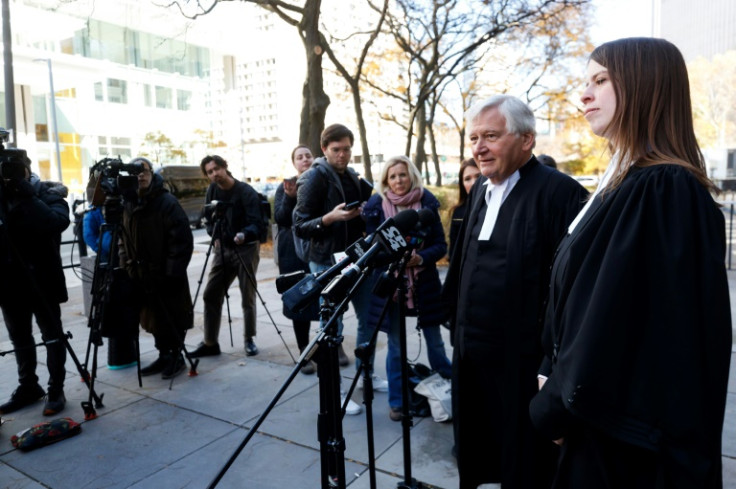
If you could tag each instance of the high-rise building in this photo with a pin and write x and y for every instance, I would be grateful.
(697, 28)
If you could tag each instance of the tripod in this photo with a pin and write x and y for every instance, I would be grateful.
(219, 222)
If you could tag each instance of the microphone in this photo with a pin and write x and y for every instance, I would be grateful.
(390, 239)
(300, 295)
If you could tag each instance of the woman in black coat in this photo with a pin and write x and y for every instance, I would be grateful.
(638, 327)
(284, 203)
(401, 188)
(466, 178)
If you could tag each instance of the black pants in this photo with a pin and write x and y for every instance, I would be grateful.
(18, 313)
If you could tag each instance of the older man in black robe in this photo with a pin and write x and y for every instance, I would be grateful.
(496, 287)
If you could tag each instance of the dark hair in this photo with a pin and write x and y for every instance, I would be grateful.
(653, 120)
(219, 161)
(463, 194)
(293, 151)
(335, 132)
(547, 160)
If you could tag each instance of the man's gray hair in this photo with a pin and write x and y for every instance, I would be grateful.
(519, 117)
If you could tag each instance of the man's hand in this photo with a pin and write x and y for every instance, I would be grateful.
(239, 238)
(340, 214)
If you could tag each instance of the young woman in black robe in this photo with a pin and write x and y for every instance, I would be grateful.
(638, 327)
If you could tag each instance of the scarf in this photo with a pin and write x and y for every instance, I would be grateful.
(392, 204)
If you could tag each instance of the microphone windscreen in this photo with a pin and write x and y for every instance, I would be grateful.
(425, 217)
(406, 220)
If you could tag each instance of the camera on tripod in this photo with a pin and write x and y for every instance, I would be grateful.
(112, 182)
(216, 210)
(13, 162)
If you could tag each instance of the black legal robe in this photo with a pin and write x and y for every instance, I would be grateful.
(638, 329)
(537, 212)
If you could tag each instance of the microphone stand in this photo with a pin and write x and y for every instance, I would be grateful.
(329, 421)
(407, 420)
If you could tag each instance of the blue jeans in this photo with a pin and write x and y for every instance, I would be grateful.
(361, 301)
(438, 360)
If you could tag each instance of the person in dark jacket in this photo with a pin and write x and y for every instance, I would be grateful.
(401, 188)
(235, 231)
(283, 206)
(321, 216)
(497, 284)
(33, 214)
(638, 325)
(155, 248)
(467, 176)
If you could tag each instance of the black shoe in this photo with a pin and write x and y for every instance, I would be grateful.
(250, 348)
(157, 366)
(174, 367)
(342, 356)
(23, 396)
(206, 351)
(55, 402)
(309, 368)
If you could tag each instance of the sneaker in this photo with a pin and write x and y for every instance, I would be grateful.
(250, 348)
(379, 385)
(174, 367)
(394, 413)
(352, 408)
(156, 367)
(309, 368)
(342, 357)
(206, 351)
(55, 402)
(21, 397)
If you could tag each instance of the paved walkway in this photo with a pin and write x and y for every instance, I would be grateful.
(181, 437)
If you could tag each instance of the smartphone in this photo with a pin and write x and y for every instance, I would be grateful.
(352, 205)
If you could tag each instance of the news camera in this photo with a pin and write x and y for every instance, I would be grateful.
(216, 210)
(13, 162)
(116, 177)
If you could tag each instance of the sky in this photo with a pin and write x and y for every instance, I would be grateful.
(621, 18)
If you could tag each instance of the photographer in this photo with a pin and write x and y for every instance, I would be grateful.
(234, 222)
(155, 248)
(33, 214)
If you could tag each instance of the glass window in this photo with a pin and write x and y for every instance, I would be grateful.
(164, 97)
(147, 98)
(183, 99)
(99, 96)
(117, 91)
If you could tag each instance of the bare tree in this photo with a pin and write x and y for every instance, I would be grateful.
(443, 38)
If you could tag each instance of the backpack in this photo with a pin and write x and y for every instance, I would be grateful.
(264, 206)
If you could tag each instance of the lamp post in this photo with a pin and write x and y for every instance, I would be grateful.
(53, 115)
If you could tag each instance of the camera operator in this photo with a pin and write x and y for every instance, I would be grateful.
(155, 248)
(236, 218)
(33, 214)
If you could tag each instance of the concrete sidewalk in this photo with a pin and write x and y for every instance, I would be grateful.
(157, 437)
(182, 437)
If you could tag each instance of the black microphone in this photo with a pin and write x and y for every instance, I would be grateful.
(308, 289)
(389, 238)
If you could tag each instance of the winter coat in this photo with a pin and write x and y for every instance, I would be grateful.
(34, 226)
(428, 288)
(156, 247)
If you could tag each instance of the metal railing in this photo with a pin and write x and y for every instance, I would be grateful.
(728, 208)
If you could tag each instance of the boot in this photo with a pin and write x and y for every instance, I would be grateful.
(23, 396)
(174, 366)
(157, 366)
(342, 356)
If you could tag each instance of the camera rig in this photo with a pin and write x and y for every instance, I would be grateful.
(13, 161)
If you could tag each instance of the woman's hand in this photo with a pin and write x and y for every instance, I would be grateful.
(290, 188)
(414, 261)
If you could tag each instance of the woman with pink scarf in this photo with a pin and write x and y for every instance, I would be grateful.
(401, 188)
